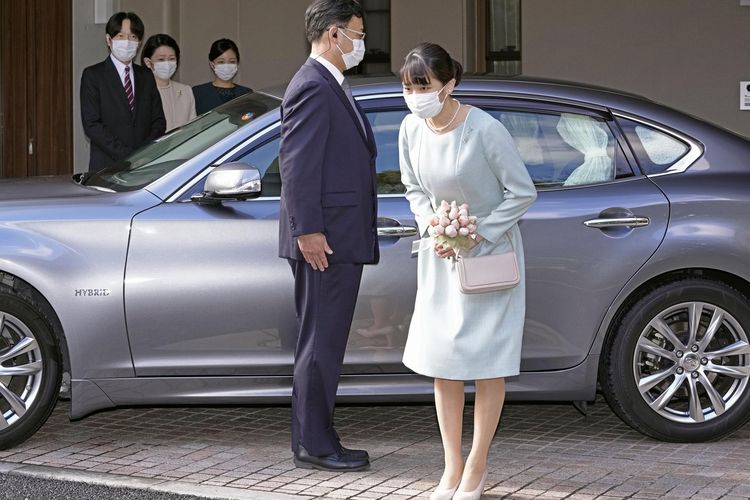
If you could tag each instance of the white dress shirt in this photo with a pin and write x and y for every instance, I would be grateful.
(338, 75)
(120, 67)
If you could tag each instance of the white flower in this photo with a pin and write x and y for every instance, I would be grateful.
(463, 231)
(451, 232)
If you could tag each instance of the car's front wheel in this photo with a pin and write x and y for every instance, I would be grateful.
(29, 364)
(677, 364)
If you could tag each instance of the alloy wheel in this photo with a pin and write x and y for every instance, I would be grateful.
(692, 362)
(20, 369)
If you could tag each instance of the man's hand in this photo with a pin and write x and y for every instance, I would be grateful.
(314, 248)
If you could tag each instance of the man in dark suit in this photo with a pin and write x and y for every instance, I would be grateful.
(327, 223)
(120, 104)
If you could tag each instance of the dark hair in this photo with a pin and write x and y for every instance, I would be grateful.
(220, 46)
(114, 25)
(156, 41)
(321, 14)
(427, 60)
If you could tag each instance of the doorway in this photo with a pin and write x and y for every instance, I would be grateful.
(35, 88)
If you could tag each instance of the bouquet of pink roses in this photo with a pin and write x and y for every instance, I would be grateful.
(452, 225)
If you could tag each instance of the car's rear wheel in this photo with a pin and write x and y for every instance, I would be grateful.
(677, 364)
(29, 366)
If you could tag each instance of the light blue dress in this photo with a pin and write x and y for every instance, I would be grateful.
(455, 335)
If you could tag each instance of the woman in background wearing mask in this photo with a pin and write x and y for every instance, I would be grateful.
(224, 58)
(449, 151)
(161, 54)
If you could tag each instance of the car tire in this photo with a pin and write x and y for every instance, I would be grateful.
(30, 362)
(677, 363)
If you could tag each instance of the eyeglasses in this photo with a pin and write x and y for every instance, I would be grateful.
(360, 33)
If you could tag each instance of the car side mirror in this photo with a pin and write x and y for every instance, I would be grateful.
(231, 181)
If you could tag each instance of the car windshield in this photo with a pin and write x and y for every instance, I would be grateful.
(163, 155)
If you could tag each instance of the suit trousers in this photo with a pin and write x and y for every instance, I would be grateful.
(325, 304)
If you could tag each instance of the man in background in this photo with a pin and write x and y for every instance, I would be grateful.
(121, 108)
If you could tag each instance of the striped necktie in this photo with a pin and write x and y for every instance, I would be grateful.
(129, 89)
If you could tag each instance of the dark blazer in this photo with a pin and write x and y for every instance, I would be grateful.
(327, 166)
(207, 96)
(113, 129)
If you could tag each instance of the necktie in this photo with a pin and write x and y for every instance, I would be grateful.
(129, 89)
(348, 91)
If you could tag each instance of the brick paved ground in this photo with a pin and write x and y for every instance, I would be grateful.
(541, 450)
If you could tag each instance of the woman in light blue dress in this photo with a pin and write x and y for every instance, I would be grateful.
(450, 151)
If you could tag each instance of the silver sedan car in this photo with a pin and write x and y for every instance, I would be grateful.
(156, 280)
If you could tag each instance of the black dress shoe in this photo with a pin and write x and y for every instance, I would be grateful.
(335, 462)
(354, 453)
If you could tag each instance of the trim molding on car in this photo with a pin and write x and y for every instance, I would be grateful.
(695, 150)
(505, 95)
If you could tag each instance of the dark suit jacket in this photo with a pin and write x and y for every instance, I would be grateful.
(327, 166)
(113, 129)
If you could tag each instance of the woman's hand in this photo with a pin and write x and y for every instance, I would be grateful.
(445, 252)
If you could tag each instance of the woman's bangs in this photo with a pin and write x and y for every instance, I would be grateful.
(415, 71)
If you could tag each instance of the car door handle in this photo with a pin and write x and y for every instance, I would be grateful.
(397, 232)
(618, 222)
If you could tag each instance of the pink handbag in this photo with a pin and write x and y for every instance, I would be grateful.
(488, 273)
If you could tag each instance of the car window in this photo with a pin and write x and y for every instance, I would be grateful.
(154, 160)
(266, 159)
(385, 126)
(654, 149)
(565, 149)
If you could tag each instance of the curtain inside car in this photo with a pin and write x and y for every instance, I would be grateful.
(524, 128)
(587, 136)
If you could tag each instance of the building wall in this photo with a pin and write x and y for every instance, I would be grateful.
(89, 47)
(269, 34)
(690, 54)
(452, 24)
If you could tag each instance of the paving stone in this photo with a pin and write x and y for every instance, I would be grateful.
(540, 451)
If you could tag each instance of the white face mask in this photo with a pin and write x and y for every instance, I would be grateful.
(425, 105)
(124, 50)
(164, 69)
(353, 58)
(225, 71)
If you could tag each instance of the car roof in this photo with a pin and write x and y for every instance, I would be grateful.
(387, 84)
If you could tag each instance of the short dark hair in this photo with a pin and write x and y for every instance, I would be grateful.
(427, 60)
(323, 13)
(222, 45)
(156, 41)
(114, 25)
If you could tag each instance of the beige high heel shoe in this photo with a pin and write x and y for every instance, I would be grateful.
(471, 495)
(444, 494)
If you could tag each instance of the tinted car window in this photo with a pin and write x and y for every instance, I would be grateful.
(266, 159)
(565, 149)
(654, 149)
(160, 157)
(385, 126)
